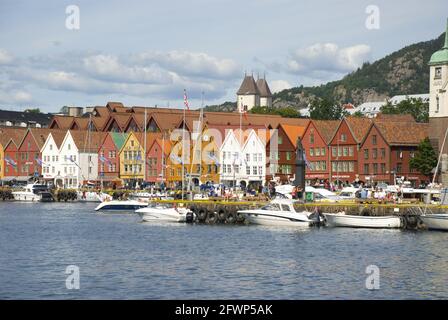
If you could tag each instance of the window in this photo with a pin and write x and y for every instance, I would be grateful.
(437, 104)
(132, 143)
(438, 73)
(260, 170)
(69, 147)
(247, 157)
(247, 170)
(374, 153)
(317, 152)
(334, 151)
(254, 156)
(374, 140)
(343, 137)
(383, 168)
(280, 140)
(350, 151)
(383, 153)
(366, 168)
(345, 151)
(311, 152)
(375, 168)
(51, 147)
(254, 169)
(399, 167)
(311, 138)
(288, 155)
(340, 152)
(366, 154)
(322, 151)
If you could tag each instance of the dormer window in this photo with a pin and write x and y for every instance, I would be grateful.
(438, 73)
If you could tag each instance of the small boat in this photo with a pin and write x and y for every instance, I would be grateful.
(435, 221)
(166, 212)
(120, 205)
(343, 220)
(92, 196)
(279, 212)
(33, 192)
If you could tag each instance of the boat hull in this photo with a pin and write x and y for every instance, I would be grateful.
(167, 215)
(267, 220)
(341, 220)
(435, 221)
(120, 206)
(26, 196)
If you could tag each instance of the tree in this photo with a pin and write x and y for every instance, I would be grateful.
(415, 107)
(287, 112)
(358, 114)
(425, 159)
(324, 109)
(35, 110)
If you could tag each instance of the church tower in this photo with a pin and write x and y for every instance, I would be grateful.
(438, 102)
(248, 95)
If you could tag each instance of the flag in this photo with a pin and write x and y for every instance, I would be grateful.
(104, 159)
(186, 100)
(39, 162)
(138, 157)
(71, 159)
(212, 157)
(10, 162)
(307, 163)
(176, 158)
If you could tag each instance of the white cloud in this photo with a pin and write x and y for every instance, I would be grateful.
(324, 58)
(15, 97)
(279, 85)
(162, 76)
(5, 57)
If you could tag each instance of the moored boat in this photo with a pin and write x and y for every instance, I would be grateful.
(33, 193)
(435, 221)
(166, 212)
(120, 205)
(343, 220)
(279, 212)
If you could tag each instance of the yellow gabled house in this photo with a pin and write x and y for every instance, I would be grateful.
(132, 159)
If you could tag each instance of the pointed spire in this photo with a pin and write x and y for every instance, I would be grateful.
(446, 36)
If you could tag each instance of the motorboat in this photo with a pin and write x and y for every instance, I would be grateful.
(343, 220)
(279, 212)
(435, 221)
(33, 192)
(120, 205)
(92, 196)
(166, 212)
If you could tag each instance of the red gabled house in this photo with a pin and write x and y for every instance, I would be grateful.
(316, 138)
(109, 159)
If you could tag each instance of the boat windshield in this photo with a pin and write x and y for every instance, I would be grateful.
(271, 207)
(160, 205)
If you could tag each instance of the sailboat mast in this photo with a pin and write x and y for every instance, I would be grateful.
(440, 157)
(183, 153)
(163, 158)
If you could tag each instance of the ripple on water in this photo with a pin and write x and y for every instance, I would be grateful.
(121, 258)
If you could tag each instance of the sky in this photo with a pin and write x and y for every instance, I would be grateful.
(145, 53)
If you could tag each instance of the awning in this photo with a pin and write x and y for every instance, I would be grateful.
(17, 178)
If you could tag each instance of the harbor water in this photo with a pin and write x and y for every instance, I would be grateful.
(121, 258)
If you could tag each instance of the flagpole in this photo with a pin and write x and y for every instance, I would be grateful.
(183, 149)
(144, 152)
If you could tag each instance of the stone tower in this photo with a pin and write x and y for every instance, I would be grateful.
(438, 103)
(248, 95)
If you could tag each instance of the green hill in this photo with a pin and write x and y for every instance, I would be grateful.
(405, 71)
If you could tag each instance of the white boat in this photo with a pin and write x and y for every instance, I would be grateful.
(435, 221)
(343, 220)
(120, 205)
(166, 212)
(92, 196)
(33, 193)
(279, 212)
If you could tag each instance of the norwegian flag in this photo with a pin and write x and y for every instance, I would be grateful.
(186, 100)
(10, 162)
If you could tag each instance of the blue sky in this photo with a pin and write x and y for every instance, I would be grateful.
(147, 52)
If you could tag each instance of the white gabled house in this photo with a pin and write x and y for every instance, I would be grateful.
(74, 161)
(243, 159)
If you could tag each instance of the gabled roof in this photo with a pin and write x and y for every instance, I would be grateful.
(293, 132)
(263, 88)
(403, 133)
(63, 122)
(7, 134)
(118, 138)
(165, 144)
(358, 127)
(326, 128)
(87, 141)
(394, 117)
(248, 86)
